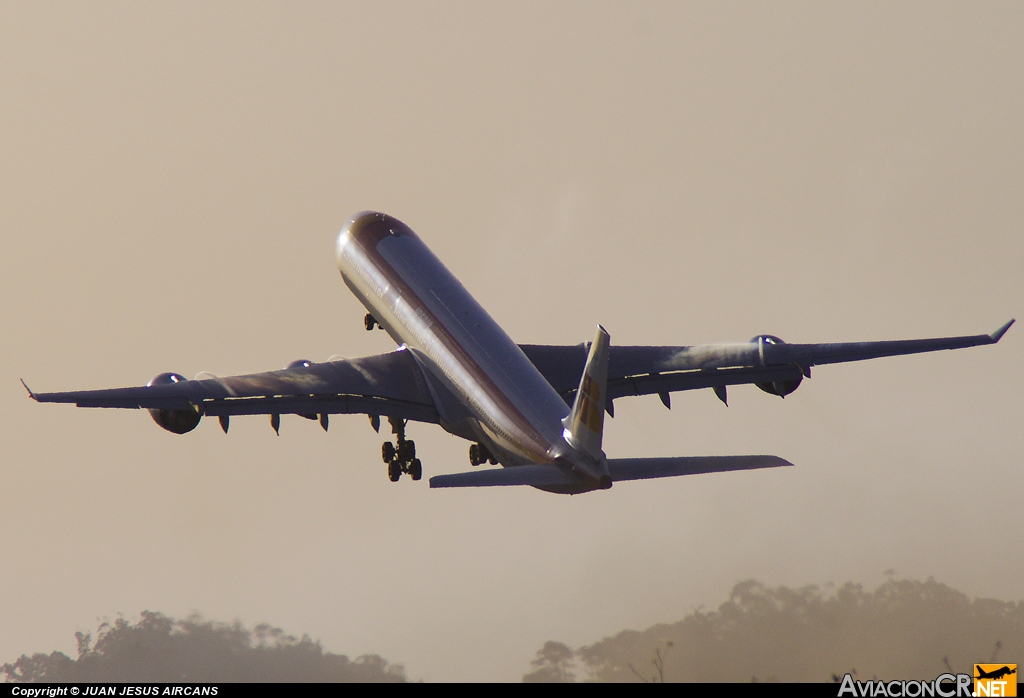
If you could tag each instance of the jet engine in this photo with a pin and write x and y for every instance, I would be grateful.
(174, 421)
(781, 388)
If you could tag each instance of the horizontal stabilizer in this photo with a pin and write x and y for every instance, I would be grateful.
(644, 468)
(543, 475)
(537, 475)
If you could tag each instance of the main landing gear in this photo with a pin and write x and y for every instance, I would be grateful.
(401, 457)
(369, 322)
(478, 455)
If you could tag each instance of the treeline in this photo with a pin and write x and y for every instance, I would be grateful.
(161, 649)
(902, 629)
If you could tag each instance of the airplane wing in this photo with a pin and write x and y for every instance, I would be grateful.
(767, 361)
(390, 385)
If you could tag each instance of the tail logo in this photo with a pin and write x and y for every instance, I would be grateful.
(590, 413)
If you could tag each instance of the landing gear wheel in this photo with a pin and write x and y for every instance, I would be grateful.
(394, 471)
(474, 455)
(492, 460)
(415, 469)
(387, 452)
(406, 450)
(369, 321)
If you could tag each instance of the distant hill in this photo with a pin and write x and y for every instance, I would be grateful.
(158, 648)
(902, 629)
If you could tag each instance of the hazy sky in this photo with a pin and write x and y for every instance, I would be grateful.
(172, 180)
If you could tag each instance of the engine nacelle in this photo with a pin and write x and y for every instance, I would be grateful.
(781, 388)
(174, 421)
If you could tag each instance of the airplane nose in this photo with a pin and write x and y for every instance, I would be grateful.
(364, 230)
(350, 232)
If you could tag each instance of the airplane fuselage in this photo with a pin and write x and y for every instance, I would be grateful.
(516, 412)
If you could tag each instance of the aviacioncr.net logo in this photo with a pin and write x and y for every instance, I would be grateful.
(944, 686)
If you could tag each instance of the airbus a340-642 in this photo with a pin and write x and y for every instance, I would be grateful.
(538, 410)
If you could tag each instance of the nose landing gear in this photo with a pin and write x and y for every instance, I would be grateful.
(401, 458)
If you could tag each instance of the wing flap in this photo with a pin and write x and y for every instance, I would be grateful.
(322, 404)
(704, 378)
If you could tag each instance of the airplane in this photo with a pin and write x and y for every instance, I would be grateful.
(537, 410)
(995, 674)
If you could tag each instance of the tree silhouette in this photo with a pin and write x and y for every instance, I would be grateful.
(903, 628)
(158, 648)
(554, 664)
(658, 662)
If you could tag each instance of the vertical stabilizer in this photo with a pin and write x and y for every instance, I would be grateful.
(585, 424)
